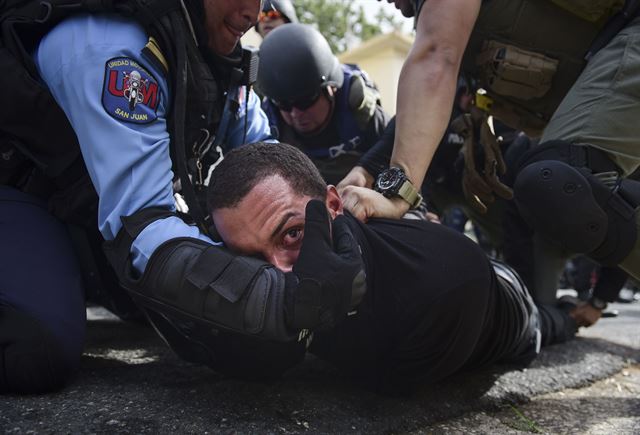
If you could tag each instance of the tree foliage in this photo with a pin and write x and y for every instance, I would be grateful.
(344, 23)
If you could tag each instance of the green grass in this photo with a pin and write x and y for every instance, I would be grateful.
(523, 422)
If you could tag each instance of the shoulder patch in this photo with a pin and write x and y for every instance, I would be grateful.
(130, 93)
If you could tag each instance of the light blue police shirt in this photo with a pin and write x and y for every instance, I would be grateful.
(87, 62)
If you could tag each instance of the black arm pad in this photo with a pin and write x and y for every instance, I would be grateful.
(191, 285)
(192, 281)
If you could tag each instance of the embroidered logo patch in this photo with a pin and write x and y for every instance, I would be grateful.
(130, 93)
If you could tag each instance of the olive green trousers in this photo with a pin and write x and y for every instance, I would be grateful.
(602, 110)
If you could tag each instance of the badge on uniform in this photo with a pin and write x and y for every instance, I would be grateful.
(130, 93)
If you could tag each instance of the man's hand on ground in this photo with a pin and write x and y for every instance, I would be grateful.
(366, 203)
(585, 314)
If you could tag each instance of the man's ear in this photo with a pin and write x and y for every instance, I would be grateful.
(333, 202)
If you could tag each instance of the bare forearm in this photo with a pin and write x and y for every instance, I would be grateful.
(424, 106)
(427, 83)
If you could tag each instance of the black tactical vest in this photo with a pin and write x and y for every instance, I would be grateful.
(527, 54)
(39, 149)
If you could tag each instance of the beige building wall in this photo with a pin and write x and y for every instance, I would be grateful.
(382, 58)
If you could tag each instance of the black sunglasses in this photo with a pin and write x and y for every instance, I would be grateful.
(301, 103)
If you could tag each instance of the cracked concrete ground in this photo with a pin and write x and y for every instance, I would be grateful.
(131, 383)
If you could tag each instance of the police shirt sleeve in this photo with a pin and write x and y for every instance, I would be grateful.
(116, 104)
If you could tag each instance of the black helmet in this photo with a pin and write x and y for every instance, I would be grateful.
(296, 62)
(285, 7)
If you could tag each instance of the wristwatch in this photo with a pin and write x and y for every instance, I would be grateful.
(598, 303)
(394, 182)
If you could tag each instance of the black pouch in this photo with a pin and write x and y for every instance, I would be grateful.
(514, 72)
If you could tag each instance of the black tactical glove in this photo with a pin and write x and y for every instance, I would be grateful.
(199, 289)
(330, 276)
(480, 187)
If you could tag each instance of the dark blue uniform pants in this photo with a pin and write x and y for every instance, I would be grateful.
(42, 309)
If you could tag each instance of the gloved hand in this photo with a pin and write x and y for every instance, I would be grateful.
(329, 271)
(480, 188)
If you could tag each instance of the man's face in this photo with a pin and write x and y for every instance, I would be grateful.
(227, 20)
(310, 120)
(269, 221)
(405, 6)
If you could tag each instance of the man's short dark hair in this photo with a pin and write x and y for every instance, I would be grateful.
(243, 168)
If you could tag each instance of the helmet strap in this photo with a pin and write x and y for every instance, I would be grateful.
(330, 93)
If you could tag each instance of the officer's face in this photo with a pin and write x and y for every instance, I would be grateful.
(269, 221)
(269, 20)
(311, 120)
(227, 21)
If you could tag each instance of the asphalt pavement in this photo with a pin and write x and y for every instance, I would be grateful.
(130, 382)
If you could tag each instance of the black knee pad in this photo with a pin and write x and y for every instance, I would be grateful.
(557, 200)
(577, 210)
(621, 205)
(31, 360)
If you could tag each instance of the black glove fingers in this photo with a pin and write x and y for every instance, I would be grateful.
(317, 223)
(344, 243)
(317, 239)
(327, 279)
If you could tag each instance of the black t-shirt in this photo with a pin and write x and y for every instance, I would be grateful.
(433, 306)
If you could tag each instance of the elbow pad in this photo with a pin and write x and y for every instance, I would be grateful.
(198, 295)
(189, 280)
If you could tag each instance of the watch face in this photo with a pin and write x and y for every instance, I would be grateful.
(393, 182)
(389, 180)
